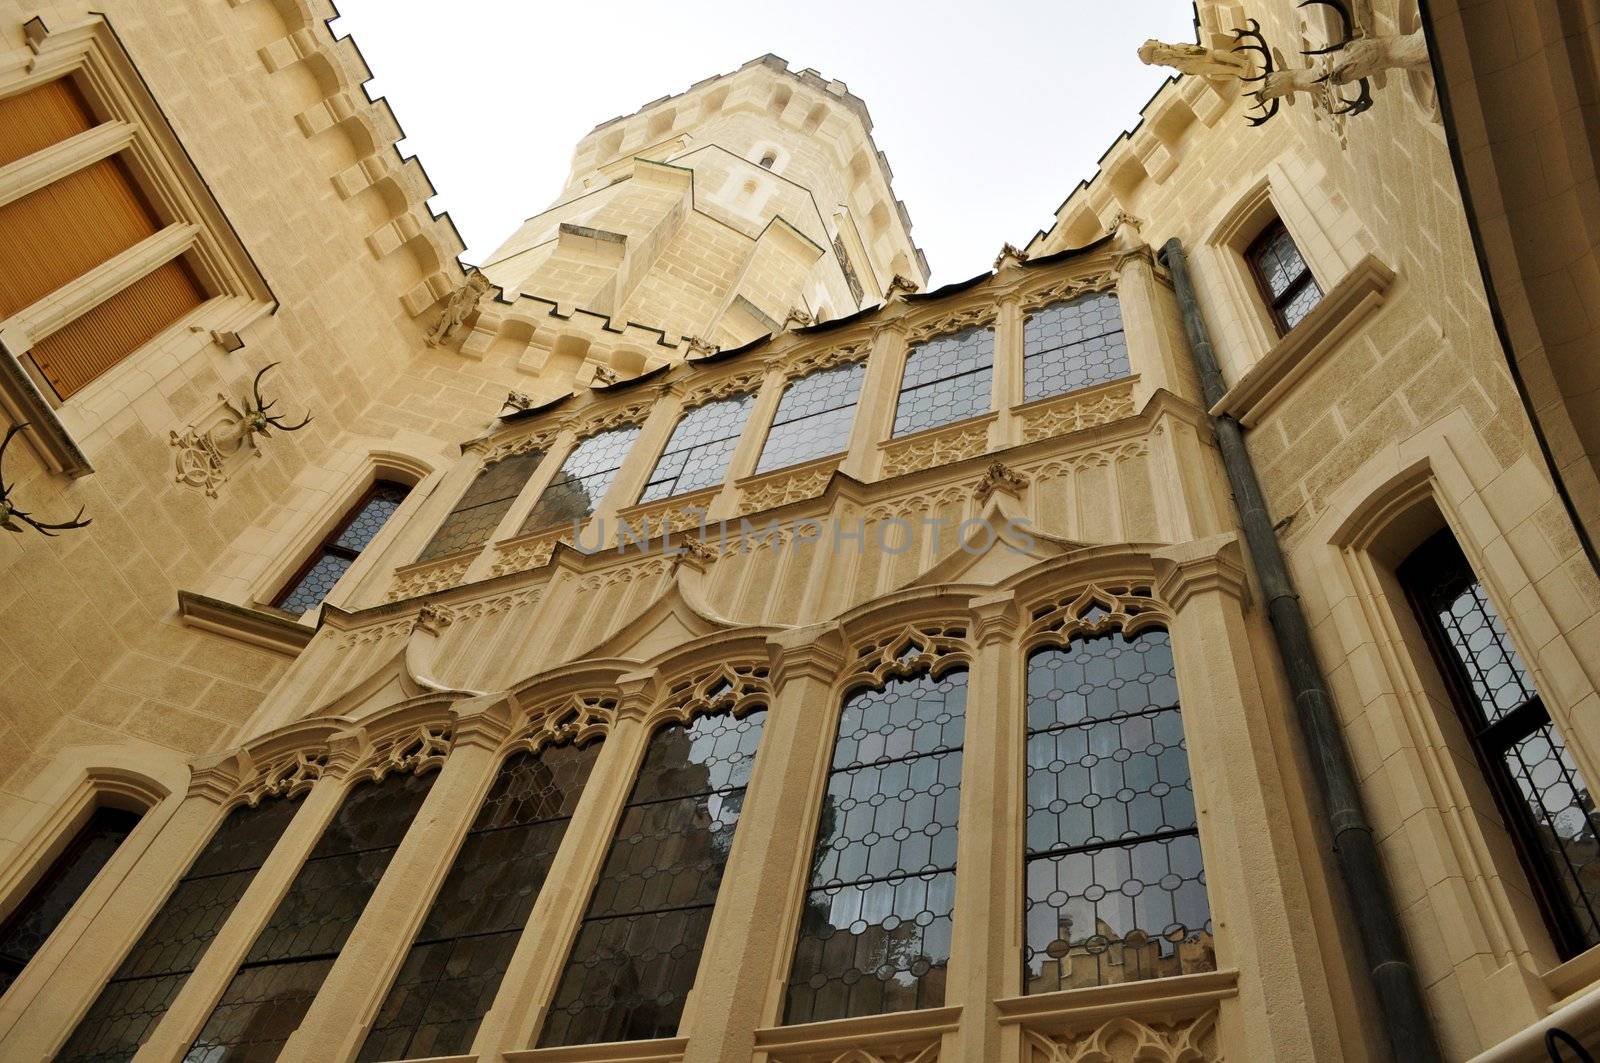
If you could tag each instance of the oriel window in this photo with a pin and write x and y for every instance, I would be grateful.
(700, 449)
(1543, 797)
(946, 379)
(1286, 281)
(478, 513)
(1073, 344)
(814, 417)
(334, 556)
(583, 481)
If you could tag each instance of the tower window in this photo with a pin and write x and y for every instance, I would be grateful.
(584, 479)
(1286, 281)
(1542, 795)
(946, 379)
(769, 160)
(1073, 344)
(336, 553)
(700, 449)
(814, 417)
(478, 513)
(69, 874)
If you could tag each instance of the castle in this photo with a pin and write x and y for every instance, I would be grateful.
(686, 637)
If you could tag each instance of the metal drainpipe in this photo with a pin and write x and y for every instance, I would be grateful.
(1393, 978)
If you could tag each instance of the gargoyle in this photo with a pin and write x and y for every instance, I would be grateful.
(458, 306)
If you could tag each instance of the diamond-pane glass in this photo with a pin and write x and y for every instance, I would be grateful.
(1290, 288)
(638, 948)
(368, 519)
(340, 549)
(315, 583)
(286, 965)
(131, 1004)
(814, 417)
(48, 902)
(875, 931)
(450, 976)
(946, 379)
(701, 446)
(1115, 884)
(1073, 344)
(584, 478)
(478, 513)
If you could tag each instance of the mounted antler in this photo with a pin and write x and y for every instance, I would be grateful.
(9, 513)
(257, 418)
(1347, 35)
(1267, 106)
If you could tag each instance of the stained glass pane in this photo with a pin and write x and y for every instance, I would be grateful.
(1284, 273)
(1301, 303)
(638, 948)
(131, 1004)
(478, 513)
(701, 446)
(875, 931)
(364, 524)
(286, 965)
(814, 417)
(584, 478)
(1073, 344)
(946, 379)
(313, 586)
(338, 552)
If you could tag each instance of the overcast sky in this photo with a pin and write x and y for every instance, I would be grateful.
(990, 112)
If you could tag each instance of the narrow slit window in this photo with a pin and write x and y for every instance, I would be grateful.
(700, 449)
(946, 379)
(1286, 281)
(814, 417)
(334, 556)
(1073, 344)
(478, 513)
(583, 481)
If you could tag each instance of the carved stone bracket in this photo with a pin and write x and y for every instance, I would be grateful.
(1000, 477)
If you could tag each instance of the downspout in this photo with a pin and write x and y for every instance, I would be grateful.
(1393, 978)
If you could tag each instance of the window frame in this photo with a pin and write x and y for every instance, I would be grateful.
(748, 397)
(854, 365)
(328, 544)
(989, 326)
(1275, 304)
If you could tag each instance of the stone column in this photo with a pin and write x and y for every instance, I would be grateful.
(875, 410)
(337, 1021)
(1007, 387)
(1256, 877)
(45, 1005)
(984, 964)
(639, 464)
(740, 987)
(1149, 324)
(530, 980)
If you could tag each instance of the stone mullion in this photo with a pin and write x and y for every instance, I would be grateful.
(985, 960)
(34, 1024)
(172, 1036)
(744, 966)
(880, 391)
(337, 1021)
(638, 465)
(1147, 330)
(1006, 389)
(530, 980)
(753, 437)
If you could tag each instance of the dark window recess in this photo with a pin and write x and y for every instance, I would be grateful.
(69, 874)
(449, 978)
(701, 446)
(1542, 795)
(131, 1004)
(283, 970)
(850, 279)
(478, 513)
(1073, 344)
(584, 478)
(1285, 279)
(946, 379)
(814, 417)
(875, 931)
(333, 558)
(1115, 889)
(638, 948)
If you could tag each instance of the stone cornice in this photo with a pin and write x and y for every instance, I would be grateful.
(1214, 564)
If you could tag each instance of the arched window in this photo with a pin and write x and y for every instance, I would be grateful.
(701, 446)
(335, 554)
(1115, 883)
(62, 883)
(946, 379)
(1073, 344)
(1543, 797)
(875, 931)
(280, 975)
(478, 513)
(131, 1004)
(814, 417)
(638, 948)
(450, 976)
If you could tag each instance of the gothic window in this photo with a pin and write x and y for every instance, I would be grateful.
(1542, 795)
(478, 513)
(946, 379)
(450, 976)
(1115, 886)
(284, 968)
(1286, 281)
(638, 947)
(63, 882)
(852, 281)
(131, 1004)
(814, 417)
(584, 478)
(701, 446)
(334, 556)
(1073, 344)
(875, 930)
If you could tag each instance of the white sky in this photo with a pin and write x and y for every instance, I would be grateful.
(990, 112)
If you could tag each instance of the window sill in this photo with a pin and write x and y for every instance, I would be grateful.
(1347, 304)
(1179, 994)
(256, 627)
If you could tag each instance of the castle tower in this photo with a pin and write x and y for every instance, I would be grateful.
(716, 212)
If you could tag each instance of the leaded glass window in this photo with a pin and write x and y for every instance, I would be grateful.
(131, 1004)
(1073, 344)
(333, 558)
(478, 513)
(584, 478)
(875, 931)
(946, 379)
(638, 948)
(1543, 796)
(62, 883)
(814, 417)
(701, 446)
(283, 970)
(449, 978)
(1286, 281)
(1115, 885)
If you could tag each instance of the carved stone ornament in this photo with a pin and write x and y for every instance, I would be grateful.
(611, 417)
(972, 317)
(1129, 1040)
(936, 448)
(1069, 288)
(695, 552)
(821, 358)
(695, 347)
(799, 317)
(912, 650)
(1010, 255)
(1000, 477)
(722, 388)
(1059, 418)
(1195, 59)
(518, 401)
(420, 750)
(778, 491)
(735, 688)
(900, 285)
(508, 448)
(1095, 610)
(458, 306)
(203, 452)
(604, 376)
(288, 778)
(433, 618)
(426, 579)
(577, 720)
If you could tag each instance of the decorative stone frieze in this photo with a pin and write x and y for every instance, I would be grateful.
(1069, 288)
(420, 749)
(820, 358)
(971, 317)
(519, 555)
(786, 486)
(1070, 463)
(433, 576)
(938, 447)
(911, 650)
(735, 688)
(1129, 1040)
(578, 718)
(1069, 413)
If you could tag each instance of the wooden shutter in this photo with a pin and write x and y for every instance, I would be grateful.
(44, 115)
